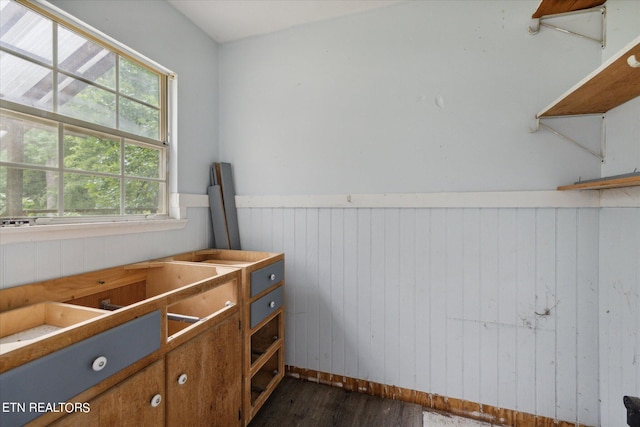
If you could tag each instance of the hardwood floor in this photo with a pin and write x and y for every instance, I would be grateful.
(297, 403)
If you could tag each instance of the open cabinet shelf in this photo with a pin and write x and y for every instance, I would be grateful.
(630, 180)
(610, 85)
(553, 7)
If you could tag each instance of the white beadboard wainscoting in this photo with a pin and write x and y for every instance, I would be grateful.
(496, 305)
(527, 301)
(619, 311)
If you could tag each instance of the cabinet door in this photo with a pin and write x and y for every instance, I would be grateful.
(127, 404)
(204, 378)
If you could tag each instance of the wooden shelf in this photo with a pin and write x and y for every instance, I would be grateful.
(612, 84)
(553, 7)
(630, 180)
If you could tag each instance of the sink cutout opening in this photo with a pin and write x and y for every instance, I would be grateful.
(122, 296)
(23, 326)
(189, 311)
(223, 256)
(138, 282)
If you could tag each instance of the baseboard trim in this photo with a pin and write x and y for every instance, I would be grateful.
(463, 408)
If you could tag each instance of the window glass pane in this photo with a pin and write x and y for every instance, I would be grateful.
(101, 153)
(25, 83)
(26, 32)
(86, 195)
(28, 141)
(85, 58)
(142, 161)
(142, 197)
(91, 152)
(139, 83)
(25, 192)
(139, 119)
(85, 102)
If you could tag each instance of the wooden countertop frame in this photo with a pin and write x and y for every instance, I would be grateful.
(66, 288)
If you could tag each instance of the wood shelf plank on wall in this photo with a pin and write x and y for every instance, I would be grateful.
(610, 85)
(553, 7)
(604, 183)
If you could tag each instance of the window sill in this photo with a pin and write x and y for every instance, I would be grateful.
(178, 205)
(32, 233)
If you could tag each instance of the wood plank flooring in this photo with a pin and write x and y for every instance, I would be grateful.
(298, 403)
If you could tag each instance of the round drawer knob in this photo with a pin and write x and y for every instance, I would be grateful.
(272, 276)
(99, 363)
(182, 379)
(155, 400)
(272, 304)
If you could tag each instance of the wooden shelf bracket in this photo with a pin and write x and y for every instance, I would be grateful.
(541, 22)
(603, 137)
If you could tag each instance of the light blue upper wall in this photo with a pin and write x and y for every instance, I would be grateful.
(456, 85)
(158, 31)
(419, 96)
(623, 24)
(622, 123)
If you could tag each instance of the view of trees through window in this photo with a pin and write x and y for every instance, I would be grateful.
(81, 134)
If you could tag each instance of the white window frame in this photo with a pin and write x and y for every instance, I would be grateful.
(107, 225)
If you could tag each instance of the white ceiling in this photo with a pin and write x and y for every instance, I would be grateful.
(228, 20)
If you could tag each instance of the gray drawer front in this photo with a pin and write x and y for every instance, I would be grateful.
(59, 376)
(262, 279)
(262, 307)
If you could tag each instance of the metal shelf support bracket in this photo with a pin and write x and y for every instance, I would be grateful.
(603, 137)
(540, 22)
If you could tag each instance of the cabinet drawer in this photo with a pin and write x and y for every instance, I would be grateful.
(266, 277)
(266, 305)
(59, 376)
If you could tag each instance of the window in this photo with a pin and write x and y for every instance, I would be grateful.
(83, 124)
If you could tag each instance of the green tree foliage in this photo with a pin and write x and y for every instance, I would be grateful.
(93, 180)
(141, 84)
(26, 142)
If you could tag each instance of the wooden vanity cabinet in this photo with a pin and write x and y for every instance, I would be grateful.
(204, 378)
(262, 292)
(196, 384)
(169, 356)
(264, 348)
(137, 401)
